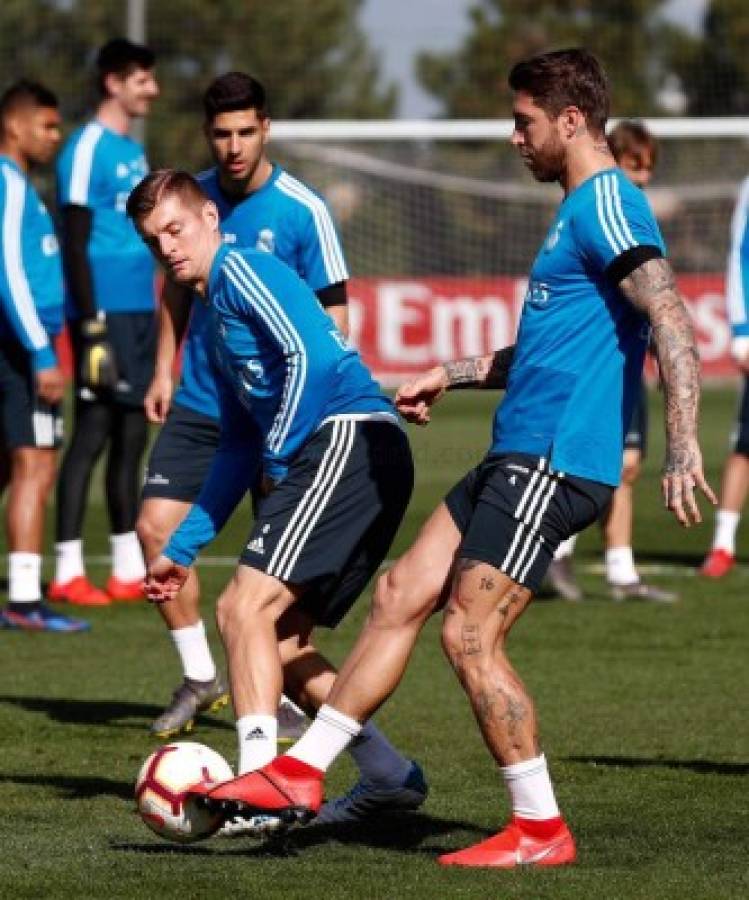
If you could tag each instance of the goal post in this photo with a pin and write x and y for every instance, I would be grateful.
(440, 224)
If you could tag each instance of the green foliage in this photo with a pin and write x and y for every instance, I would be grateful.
(714, 68)
(624, 34)
(312, 57)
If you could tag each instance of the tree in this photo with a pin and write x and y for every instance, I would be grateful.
(625, 34)
(714, 68)
(312, 57)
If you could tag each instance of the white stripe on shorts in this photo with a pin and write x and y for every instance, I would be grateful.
(44, 429)
(312, 504)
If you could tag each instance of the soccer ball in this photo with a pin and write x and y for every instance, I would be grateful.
(162, 785)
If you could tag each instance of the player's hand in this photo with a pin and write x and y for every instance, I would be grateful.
(50, 385)
(681, 475)
(158, 399)
(414, 399)
(164, 579)
(98, 368)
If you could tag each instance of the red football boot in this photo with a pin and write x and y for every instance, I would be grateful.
(515, 846)
(125, 590)
(79, 591)
(286, 787)
(717, 564)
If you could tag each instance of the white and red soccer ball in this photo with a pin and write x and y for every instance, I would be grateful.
(161, 790)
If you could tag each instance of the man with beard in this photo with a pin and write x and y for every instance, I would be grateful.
(598, 285)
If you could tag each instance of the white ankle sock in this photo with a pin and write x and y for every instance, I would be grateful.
(68, 561)
(726, 523)
(194, 652)
(620, 566)
(127, 557)
(530, 788)
(257, 737)
(376, 758)
(24, 577)
(327, 737)
(566, 548)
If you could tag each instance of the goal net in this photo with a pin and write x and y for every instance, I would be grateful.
(441, 221)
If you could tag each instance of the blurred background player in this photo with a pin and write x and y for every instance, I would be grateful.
(635, 150)
(260, 206)
(735, 482)
(110, 310)
(31, 315)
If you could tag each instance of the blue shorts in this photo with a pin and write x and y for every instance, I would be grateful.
(513, 512)
(25, 420)
(329, 524)
(741, 433)
(182, 455)
(636, 437)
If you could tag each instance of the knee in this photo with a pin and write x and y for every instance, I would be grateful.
(251, 602)
(400, 600)
(151, 533)
(631, 467)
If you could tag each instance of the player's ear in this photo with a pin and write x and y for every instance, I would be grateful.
(210, 214)
(265, 128)
(572, 122)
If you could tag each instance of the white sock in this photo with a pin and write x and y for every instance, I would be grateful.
(327, 737)
(566, 548)
(530, 789)
(376, 758)
(127, 557)
(24, 577)
(620, 566)
(726, 523)
(257, 741)
(68, 561)
(194, 652)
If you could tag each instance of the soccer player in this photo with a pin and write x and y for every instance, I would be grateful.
(261, 206)
(735, 481)
(110, 310)
(299, 407)
(635, 150)
(597, 286)
(31, 382)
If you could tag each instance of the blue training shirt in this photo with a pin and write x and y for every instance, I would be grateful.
(285, 369)
(31, 290)
(580, 345)
(283, 217)
(98, 168)
(737, 281)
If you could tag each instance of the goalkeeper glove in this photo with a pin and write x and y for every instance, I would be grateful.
(98, 368)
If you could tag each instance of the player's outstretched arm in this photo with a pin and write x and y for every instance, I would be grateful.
(651, 288)
(415, 398)
(174, 313)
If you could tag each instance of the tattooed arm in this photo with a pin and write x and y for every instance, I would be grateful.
(651, 288)
(415, 397)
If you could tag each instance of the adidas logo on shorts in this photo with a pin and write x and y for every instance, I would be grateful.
(256, 545)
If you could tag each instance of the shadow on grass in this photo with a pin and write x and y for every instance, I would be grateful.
(403, 832)
(75, 787)
(98, 712)
(700, 766)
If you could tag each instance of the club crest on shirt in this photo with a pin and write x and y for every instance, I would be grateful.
(266, 241)
(553, 239)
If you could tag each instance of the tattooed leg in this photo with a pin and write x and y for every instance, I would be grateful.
(483, 605)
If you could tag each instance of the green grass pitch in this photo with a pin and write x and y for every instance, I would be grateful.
(643, 712)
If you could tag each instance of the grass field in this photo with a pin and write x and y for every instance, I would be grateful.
(643, 713)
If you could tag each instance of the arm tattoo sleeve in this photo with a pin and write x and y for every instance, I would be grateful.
(489, 371)
(651, 288)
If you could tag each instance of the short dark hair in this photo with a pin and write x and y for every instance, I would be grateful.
(234, 91)
(25, 94)
(630, 136)
(121, 57)
(572, 77)
(159, 184)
